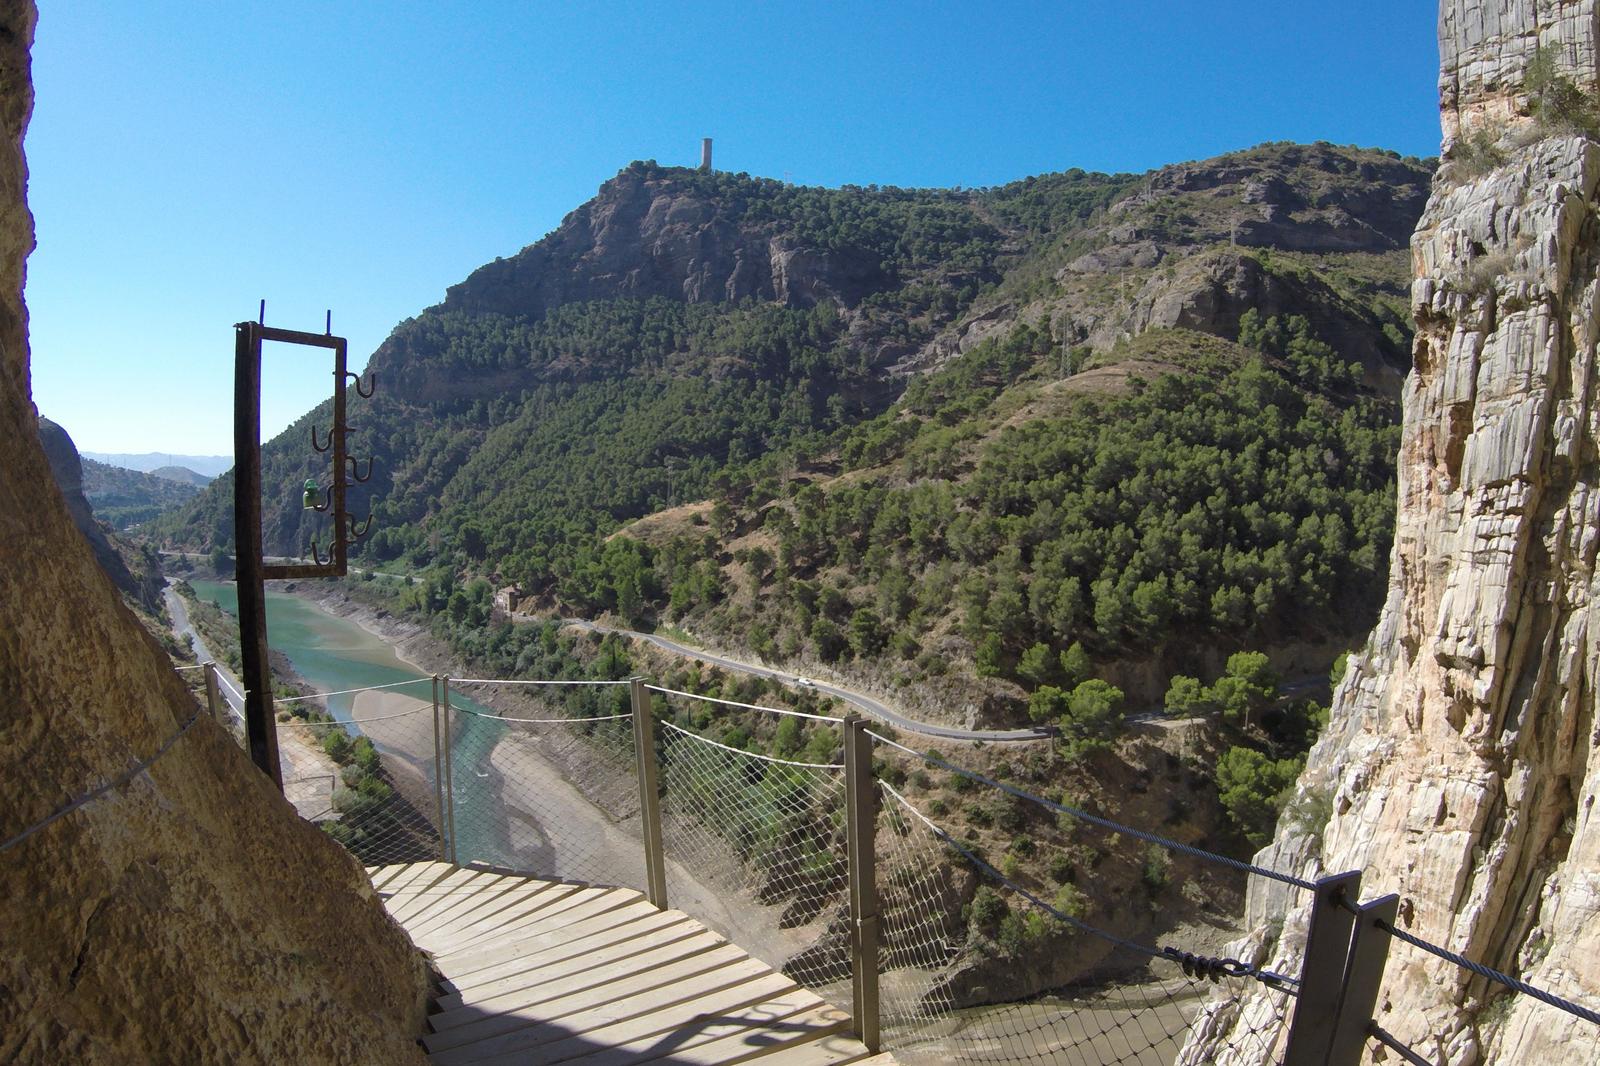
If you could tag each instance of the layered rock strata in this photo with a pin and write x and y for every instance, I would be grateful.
(187, 916)
(1463, 760)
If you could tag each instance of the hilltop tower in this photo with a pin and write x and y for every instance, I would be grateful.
(705, 154)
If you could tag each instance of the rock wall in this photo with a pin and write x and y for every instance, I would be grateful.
(1485, 47)
(1463, 759)
(188, 916)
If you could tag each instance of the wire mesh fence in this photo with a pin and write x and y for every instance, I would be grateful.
(756, 848)
(367, 781)
(549, 791)
(961, 940)
(979, 959)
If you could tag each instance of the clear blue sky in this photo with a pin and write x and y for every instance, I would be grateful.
(189, 159)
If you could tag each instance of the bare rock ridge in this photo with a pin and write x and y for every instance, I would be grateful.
(1463, 758)
(187, 916)
(1190, 249)
(652, 231)
(675, 234)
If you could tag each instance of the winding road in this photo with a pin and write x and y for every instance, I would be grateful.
(866, 703)
(870, 706)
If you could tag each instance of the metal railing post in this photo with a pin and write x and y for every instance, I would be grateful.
(1369, 950)
(644, 757)
(861, 831)
(1322, 979)
(449, 772)
(214, 695)
(438, 779)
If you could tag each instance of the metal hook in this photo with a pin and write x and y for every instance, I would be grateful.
(358, 533)
(372, 383)
(316, 553)
(327, 501)
(320, 447)
(355, 468)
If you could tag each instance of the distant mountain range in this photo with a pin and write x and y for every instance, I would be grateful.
(123, 498)
(158, 463)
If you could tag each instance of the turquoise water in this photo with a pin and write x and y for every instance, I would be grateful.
(333, 654)
(330, 652)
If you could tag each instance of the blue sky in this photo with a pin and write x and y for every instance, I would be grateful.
(190, 159)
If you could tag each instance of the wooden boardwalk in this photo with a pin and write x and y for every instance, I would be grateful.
(559, 972)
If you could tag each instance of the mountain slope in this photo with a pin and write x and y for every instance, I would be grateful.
(711, 336)
(123, 498)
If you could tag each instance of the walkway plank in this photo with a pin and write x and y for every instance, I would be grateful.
(588, 969)
(498, 907)
(403, 910)
(484, 889)
(624, 943)
(562, 972)
(528, 937)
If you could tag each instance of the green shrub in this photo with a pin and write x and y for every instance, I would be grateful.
(1555, 100)
(1072, 902)
(1253, 789)
(987, 909)
(1156, 870)
(337, 745)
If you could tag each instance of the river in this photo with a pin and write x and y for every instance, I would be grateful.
(331, 653)
(526, 797)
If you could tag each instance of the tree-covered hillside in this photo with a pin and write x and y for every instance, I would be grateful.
(961, 431)
(123, 498)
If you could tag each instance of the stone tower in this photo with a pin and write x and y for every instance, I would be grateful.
(705, 154)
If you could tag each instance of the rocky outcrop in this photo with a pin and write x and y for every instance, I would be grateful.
(1485, 47)
(1192, 247)
(652, 232)
(1463, 759)
(187, 916)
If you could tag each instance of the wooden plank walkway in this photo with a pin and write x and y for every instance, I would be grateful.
(559, 972)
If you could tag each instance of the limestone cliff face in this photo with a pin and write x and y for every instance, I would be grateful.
(649, 233)
(1463, 759)
(188, 916)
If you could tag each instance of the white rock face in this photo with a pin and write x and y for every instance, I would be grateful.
(1463, 758)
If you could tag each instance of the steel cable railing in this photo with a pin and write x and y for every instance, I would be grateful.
(763, 836)
(958, 982)
(757, 844)
(1103, 823)
(106, 787)
(368, 781)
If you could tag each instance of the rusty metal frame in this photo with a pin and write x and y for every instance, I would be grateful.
(253, 570)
